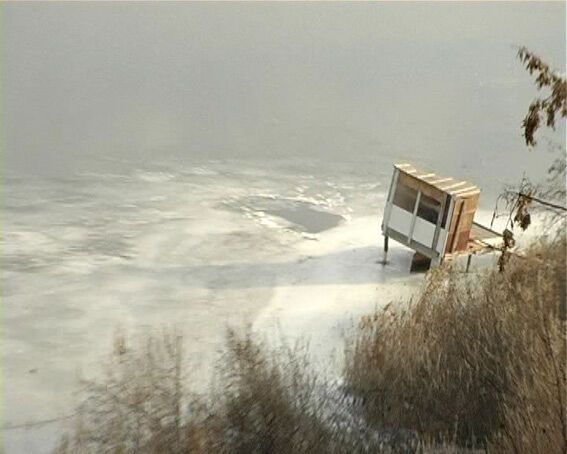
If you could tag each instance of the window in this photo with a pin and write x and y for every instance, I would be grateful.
(405, 197)
(428, 209)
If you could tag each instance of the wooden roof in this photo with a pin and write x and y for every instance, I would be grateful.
(449, 185)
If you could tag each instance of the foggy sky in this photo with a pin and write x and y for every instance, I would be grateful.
(136, 81)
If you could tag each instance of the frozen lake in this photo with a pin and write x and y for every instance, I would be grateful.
(192, 247)
(290, 247)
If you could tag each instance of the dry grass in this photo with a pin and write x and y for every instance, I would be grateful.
(265, 401)
(269, 400)
(480, 360)
(139, 405)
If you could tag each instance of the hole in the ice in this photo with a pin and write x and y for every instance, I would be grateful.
(304, 216)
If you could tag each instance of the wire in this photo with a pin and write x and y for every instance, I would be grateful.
(535, 199)
(27, 425)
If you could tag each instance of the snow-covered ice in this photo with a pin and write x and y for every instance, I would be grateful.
(291, 248)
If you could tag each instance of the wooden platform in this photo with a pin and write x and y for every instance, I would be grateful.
(482, 240)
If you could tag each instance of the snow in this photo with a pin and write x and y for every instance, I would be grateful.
(338, 279)
(192, 247)
(291, 249)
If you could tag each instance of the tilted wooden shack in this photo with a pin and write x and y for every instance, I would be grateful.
(433, 215)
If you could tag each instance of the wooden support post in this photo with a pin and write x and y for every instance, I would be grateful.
(469, 259)
(385, 259)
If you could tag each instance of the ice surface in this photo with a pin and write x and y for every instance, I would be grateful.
(194, 247)
(301, 215)
(290, 248)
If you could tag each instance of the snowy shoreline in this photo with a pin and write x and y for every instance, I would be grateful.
(339, 280)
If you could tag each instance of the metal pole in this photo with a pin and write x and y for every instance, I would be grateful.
(469, 262)
(385, 260)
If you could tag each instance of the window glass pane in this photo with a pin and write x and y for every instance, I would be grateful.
(405, 197)
(428, 208)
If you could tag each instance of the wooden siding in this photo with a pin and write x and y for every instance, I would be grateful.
(461, 223)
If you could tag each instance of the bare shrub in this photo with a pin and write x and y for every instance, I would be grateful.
(139, 405)
(273, 402)
(266, 400)
(480, 359)
(269, 401)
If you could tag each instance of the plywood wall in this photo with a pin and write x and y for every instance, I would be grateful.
(461, 224)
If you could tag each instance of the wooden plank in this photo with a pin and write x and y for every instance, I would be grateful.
(484, 232)
(441, 180)
(452, 186)
(463, 190)
(454, 229)
(470, 194)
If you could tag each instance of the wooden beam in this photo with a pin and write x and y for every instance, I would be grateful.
(441, 180)
(468, 194)
(464, 190)
(456, 185)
